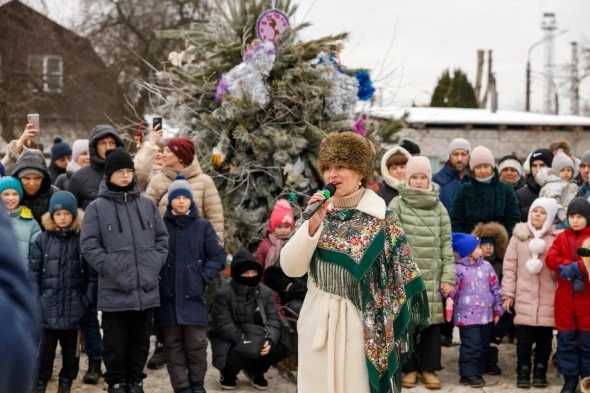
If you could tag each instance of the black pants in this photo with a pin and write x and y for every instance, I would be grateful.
(256, 367)
(68, 341)
(426, 356)
(186, 347)
(126, 344)
(92, 338)
(539, 336)
(475, 341)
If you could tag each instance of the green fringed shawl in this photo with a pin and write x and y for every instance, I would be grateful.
(384, 285)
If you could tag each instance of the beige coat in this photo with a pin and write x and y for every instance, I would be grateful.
(143, 162)
(533, 294)
(331, 337)
(203, 188)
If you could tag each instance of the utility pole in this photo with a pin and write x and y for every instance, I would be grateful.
(479, 75)
(549, 25)
(574, 81)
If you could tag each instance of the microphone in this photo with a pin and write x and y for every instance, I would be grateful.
(311, 209)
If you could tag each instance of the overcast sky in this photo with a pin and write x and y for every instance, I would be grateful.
(427, 36)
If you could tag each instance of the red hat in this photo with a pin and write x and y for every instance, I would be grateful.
(182, 148)
(282, 213)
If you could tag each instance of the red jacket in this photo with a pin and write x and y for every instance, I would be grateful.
(572, 310)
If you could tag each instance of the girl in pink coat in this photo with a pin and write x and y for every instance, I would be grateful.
(529, 286)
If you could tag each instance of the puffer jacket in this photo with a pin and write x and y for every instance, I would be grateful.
(477, 202)
(38, 203)
(205, 193)
(195, 258)
(64, 283)
(426, 223)
(527, 195)
(449, 181)
(562, 192)
(389, 186)
(143, 161)
(125, 240)
(85, 183)
(533, 294)
(26, 230)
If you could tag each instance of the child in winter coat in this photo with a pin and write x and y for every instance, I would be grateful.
(65, 287)
(25, 226)
(195, 258)
(477, 306)
(558, 182)
(279, 229)
(572, 297)
(529, 286)
(426, 222)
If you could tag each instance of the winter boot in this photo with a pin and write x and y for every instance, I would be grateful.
(409, 380)
(65, 386)
(135, 387)
(158, 359)
(540, 376)
(40, 386)
(430, 380)
(198, 388)
(570, 385)
(118, 388)
(492, 362)
(94, 372)
(523, 377)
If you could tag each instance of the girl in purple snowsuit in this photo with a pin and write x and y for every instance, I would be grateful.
(477, 306)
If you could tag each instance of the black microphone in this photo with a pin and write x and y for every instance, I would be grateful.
(311, 209)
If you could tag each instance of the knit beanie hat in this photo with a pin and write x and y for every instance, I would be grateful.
(464, 243)
(580, 206)
(282, 213)
(29, 172)
(117, 159)
(11, 183)
(180, 186)
(544, 155)
(182, 148)
(411, 147)
(561, 161)
(537, 245)
(585, 159)
(510, 161)
(78, 147)
(63, 200)
(348, 150)
(479, 156)
(459, 144)
(60, 149)
(418, 165)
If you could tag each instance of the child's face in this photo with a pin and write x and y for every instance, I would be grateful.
(122, 177)
(482, 171)
(566, 174)
(10, 199)
(249, 273)
(538, 217)
(419, 182)
(283, 231)
(63, 219)
(181, 205)
(398, 172)
(577, 222)
(476, 254)
(487, 249)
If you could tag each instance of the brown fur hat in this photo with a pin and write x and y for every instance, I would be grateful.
(561, 144)
(495, 230)
(347, 150)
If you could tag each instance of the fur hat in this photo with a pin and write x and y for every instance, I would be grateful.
(560, 162)
(348, 150)
(495, 231)
(561, 145)
(418, 165)
(282, 213)
(479, 156)
(537, 244)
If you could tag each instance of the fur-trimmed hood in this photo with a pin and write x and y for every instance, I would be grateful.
(50, 226)
(495, 230)
(522, 231)
(387, 178)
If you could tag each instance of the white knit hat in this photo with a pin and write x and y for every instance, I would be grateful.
(459, 144)
(481, 155)
(537, 244)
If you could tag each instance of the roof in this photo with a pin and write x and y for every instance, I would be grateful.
(484, 117)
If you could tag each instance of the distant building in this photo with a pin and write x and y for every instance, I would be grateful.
(48, 69)
(504, 132)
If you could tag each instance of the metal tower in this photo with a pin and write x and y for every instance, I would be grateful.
(549, 25)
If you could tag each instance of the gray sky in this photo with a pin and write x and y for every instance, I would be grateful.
(427, 36)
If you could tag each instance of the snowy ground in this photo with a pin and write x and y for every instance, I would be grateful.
(158, 382)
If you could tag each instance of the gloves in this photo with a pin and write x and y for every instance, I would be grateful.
(570, 271)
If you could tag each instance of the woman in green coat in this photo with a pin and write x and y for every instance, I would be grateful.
(426, 223)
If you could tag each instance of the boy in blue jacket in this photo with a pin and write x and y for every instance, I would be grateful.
(195, 257)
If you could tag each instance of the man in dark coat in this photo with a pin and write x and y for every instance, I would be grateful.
(454, 172)
(125, 240)
(32, 172)
(236, 304)
(84, 183)
(19, 313)
(583, 178)
(540, 158)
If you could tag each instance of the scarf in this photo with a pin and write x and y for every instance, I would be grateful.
(272, 256)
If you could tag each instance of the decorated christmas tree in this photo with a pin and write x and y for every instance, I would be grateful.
(258, 100)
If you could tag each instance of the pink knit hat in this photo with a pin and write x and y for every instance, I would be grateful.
(418, 165)
(282, 213)
(481, 155)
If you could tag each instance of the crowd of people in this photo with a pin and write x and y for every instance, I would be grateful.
(369, 289)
